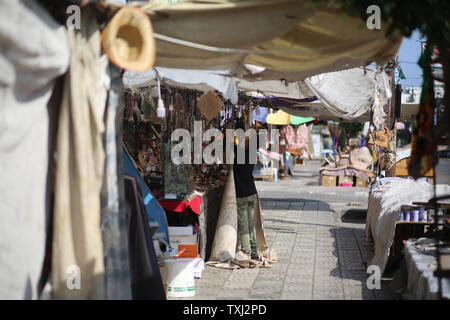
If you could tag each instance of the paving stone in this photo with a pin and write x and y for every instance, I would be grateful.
(320, 257)
(231, 294)
(352, 266)
(297, 287)
(270, 276)
(268, 284)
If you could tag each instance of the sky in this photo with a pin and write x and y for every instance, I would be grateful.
(408, 56)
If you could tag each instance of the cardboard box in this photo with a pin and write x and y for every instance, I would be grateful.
(181, 231)
(329, 181)
(185, 246)
(361, 183)
(300, 161)
(402, 171)
(188, 251)
(345, 180)
(191, 239)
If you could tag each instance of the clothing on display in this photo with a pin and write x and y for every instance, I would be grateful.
(28, 115)
(424, 141)
(77, 236)
(113, 219)
(296, 139)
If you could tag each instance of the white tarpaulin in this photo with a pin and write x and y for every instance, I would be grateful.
(276, 88)
(202, 80)
(349, 93)
(342, 95)
(318, 109)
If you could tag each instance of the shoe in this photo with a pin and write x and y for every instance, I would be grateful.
(241, 256)
(255, 256)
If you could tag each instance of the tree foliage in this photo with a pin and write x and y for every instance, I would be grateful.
(430, 17)
(352, 129)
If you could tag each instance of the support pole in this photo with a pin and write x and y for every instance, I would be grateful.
(390, 153)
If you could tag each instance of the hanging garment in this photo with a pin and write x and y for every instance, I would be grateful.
(146, 281)
(296, 139)
(291, 137)
(260, 114)
(77, 253)
(33, 53)
(154, 211)
(424, 141)
(302, 137)
(113, 219)
(379, 118)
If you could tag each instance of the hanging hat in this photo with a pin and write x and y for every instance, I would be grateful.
(128, 40)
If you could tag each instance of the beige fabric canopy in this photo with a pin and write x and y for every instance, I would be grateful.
(289, 38)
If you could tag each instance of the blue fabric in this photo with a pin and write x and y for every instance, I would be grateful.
(155, 212)
(261, 117)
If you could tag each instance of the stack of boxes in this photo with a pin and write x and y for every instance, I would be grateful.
(184, 245)
(184, 242)
(343, 180)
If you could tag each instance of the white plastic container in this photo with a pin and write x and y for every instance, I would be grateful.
(180, 277)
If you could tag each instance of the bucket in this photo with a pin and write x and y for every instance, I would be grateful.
(180, 277)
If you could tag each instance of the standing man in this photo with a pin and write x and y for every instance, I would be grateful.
(246, 202)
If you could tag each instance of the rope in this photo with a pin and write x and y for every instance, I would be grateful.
(249, 51)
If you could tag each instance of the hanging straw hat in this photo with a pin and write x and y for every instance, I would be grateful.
(128, 40)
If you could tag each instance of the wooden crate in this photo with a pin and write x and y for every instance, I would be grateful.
(360, 182)
(266, 175)
(300, 161)
(404, 163)
(345, 180)
(401, 169)
(329, 181)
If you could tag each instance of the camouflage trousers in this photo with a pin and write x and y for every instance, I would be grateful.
(247, 235)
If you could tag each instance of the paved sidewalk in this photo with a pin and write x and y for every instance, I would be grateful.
(320, 256)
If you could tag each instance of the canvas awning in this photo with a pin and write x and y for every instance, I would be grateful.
(202, 80)
(345, 95)
(317, 109)
(289, 38)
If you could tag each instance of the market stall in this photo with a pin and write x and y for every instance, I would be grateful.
(416, 279)
(386, 212)
(103, 194)
(191, 193)
(179, 189)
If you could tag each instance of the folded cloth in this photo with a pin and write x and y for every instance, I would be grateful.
(182, 206)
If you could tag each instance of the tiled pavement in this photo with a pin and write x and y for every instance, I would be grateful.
(320, 257)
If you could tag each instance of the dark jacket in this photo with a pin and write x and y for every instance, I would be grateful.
(243, 176)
